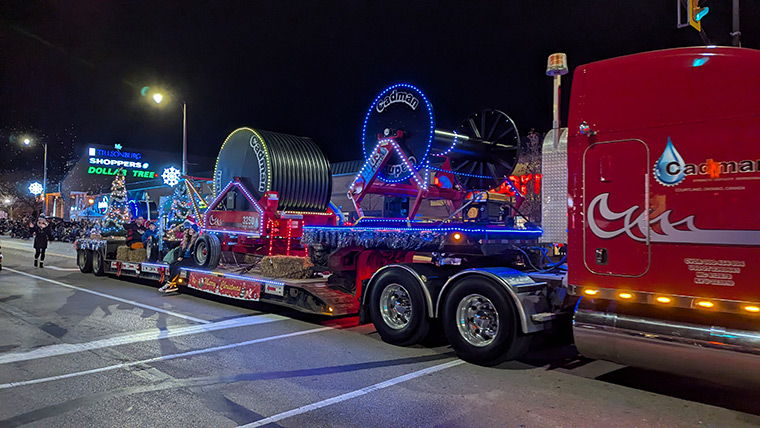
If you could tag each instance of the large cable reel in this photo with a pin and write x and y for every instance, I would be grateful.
(294, 167)
(482, 151)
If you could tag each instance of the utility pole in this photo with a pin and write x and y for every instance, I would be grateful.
(735, 33)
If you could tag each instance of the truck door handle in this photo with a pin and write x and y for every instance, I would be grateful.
(601, 256)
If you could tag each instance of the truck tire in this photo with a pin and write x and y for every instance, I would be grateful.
(397, 308)
(480, 321)
(98, 263)
(208, 251)
(84, 261)
(151, 250)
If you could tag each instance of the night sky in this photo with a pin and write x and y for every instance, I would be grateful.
(71, 71)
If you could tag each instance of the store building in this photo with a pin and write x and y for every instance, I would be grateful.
(149, 177)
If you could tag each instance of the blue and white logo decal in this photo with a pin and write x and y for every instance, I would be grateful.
(669, 168)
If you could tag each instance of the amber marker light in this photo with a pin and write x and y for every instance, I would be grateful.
(591, 292)
(625, 295)
(753, 309)
(705, 304)
(457, 236)
(663, 299)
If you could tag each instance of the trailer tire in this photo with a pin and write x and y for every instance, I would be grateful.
(151, 250)
(397, 308)
(84, 261)
(208, 251)
(98, 263)
(480, 322)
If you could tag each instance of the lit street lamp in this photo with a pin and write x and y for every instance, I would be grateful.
(27, 142)
(158, 97)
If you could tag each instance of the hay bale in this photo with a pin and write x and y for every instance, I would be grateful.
(138, 255)
(122, 253)
(286, 267)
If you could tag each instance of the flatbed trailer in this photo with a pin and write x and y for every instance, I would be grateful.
(312, 296)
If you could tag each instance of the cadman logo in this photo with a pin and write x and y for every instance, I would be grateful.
(213, 221)
(397, 97)
(670, 169)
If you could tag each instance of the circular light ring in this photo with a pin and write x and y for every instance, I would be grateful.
(368, 144)
(217, 186)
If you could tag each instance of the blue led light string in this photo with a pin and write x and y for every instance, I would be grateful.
(442, 229)
(432, 126)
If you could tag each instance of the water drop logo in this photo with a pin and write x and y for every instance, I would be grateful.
(668, 170)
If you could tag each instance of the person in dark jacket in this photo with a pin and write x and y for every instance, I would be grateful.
(150, 241)
(135, 229)
(42, 235)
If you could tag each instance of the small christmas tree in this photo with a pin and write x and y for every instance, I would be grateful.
(118, 212)
(181, 204)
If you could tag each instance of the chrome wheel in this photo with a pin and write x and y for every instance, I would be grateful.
(395, 306)
(477, 320)
(201, 253)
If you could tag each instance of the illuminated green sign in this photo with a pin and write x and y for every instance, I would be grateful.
(112, 171)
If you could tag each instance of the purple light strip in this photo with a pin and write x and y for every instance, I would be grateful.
(443, 229)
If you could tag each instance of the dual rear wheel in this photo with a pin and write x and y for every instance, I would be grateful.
(478, 316)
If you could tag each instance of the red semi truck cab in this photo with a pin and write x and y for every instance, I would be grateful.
(664, 210)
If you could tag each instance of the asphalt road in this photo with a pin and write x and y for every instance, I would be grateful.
(81, 351)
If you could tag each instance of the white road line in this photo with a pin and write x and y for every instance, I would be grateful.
(108, 296)
(62, 269)
(143, 336)
(353, 394)
(162, 358)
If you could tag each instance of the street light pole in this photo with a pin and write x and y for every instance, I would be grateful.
(44, 182)
(158, 98)
(28, 141)
(184, 138)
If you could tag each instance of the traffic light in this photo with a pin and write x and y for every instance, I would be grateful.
(697, 11)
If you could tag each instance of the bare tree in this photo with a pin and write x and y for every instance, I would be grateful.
(530, 158)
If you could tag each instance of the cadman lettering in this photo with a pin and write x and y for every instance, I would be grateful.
(258, 150)
(397, 97)
(726, 167)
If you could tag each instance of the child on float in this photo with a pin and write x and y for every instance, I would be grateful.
(180, 256)
(150, 240)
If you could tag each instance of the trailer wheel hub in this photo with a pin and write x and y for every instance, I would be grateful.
(395, 306)
(477, 320)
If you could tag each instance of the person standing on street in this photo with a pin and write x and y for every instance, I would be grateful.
(42, 235)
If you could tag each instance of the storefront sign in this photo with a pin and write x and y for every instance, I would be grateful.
(112, 171)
